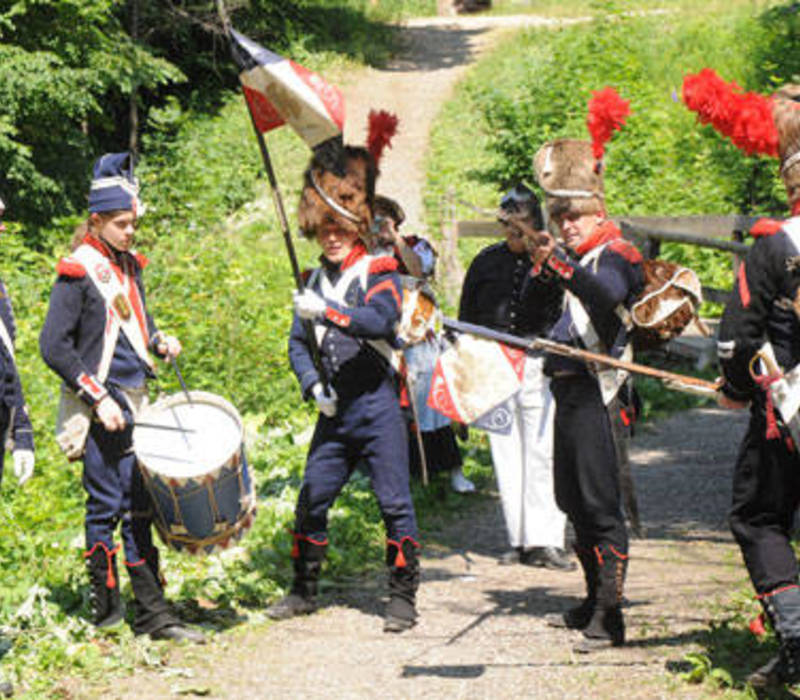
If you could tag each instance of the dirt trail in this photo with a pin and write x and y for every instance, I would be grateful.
(415, 86)
(481, 632)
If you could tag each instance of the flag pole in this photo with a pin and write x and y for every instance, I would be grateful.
(277, 200)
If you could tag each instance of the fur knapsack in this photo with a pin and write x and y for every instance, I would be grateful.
(668, 303)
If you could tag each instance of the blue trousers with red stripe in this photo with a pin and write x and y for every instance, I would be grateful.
(115, 492)
(369, 429)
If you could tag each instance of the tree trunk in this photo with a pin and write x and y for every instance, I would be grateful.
(133, 105)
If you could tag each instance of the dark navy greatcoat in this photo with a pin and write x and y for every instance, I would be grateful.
(368, 426)
(764, 307)
(584, 456)
(71, 343)
(12, 399)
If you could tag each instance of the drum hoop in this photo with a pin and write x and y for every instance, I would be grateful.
(167, 402)
(242, 525)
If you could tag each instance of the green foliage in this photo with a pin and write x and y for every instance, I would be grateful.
(72, 71)
(536, 87)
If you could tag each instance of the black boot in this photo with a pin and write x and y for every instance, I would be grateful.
(578, 617)
(107, 609)
(152, 615)
(782, 607)
(403, 563)
(308, 556)
(606, 627)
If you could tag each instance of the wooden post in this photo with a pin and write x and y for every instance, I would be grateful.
(452, 270)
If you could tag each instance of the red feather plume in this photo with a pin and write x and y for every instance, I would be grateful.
(607, 113)
(744, 117)
(382, 128)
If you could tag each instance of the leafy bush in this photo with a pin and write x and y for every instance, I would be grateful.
(536, 87)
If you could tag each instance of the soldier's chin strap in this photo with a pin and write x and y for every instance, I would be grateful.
(332, 203)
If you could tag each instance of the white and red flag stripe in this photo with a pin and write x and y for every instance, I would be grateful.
(280, 91)
(473, 379)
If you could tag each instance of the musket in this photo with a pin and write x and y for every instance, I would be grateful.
(673, 380)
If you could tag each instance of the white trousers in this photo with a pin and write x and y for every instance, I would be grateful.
(523, 463)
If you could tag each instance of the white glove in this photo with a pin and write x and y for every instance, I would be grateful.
(309, 305)
(326, 404)
(23, 465)
(169, 346)
(110, 414)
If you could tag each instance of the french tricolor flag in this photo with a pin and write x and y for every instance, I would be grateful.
(280, 91)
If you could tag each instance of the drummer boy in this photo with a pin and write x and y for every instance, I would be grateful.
(97, 337)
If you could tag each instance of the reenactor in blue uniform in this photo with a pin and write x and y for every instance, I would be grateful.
(15, 424)
(353, 301)
(762, 316)
(97, 337)
(601, 275)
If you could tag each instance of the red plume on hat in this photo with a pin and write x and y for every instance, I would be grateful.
(744, 117)
(607, 113)
(381, 130)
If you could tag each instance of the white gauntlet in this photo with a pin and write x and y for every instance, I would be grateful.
(23, 465)
(309, 305)
(326, 404)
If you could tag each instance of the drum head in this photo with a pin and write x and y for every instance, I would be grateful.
(196, 438)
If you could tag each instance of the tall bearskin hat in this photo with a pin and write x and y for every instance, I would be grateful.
(756, 124)
(339, 182)
(570, 171)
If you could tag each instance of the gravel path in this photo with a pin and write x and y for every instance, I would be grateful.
(414, 86)
(481, 632)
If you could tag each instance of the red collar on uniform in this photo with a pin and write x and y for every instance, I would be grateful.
(97, 244)
(603, 233)
(358, 252)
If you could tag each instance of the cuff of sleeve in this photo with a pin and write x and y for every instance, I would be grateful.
(559, 267)
(23, 440)
(307, 381)
(90, 389)
(541, 270)
(336, 317)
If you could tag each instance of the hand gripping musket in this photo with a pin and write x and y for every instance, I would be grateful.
(783, 388)
(672, 380)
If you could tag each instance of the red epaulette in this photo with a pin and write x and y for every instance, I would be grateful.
(141, 260)
(626, 249)
(382, 264)
(766, 227)
(305, 275)
(69, 267)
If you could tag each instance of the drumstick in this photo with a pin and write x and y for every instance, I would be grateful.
(174, 363)
(158, 426)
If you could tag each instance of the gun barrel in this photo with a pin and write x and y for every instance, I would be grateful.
(673, 380)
